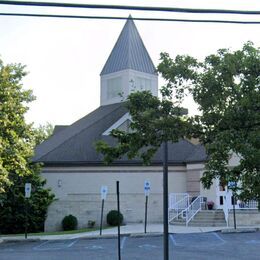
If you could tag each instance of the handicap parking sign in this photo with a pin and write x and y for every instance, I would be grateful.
(232, 184)
(103, 192)
(147, 188)
(27, 189)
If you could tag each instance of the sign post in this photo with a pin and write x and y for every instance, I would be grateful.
(27, 191)
(147, 188)
(103, 192)
(165, 202)
(232, 185)
(118, 217)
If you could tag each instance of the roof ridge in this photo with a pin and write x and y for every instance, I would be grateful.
(78, 133)
(129, 60)
(117, 106)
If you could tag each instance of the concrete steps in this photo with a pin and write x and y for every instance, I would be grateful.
(204, 218)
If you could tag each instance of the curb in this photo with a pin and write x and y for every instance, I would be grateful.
(239, 230)
(155, 234)
(122, 235)
(106, 236)
(16, 240)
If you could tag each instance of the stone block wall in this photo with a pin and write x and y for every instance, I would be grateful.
(78, 192)
(244, 218)
(88, 207)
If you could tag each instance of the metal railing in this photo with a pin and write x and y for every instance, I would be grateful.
(177, 203)
(175, 198)
(190, 212)
(250, 204)
(226, 209)
(176, 209)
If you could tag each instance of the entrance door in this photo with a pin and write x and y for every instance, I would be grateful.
(224, 196)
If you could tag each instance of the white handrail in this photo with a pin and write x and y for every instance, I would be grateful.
(249, 204)
(193, 209)
(177, 208)
(181, 204)
(175, 198)
(225, 209)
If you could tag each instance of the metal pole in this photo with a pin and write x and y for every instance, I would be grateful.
(165, 202)
(234, 212)
(118, 216)
(145, 214)
(26, 219)
(101, 221)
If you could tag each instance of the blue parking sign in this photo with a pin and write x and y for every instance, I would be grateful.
(147, 188)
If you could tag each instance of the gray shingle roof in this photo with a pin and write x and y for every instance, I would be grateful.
(58, 128)
(129, 52)
(74, 144)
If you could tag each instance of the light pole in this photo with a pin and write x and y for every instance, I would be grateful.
(165, 202)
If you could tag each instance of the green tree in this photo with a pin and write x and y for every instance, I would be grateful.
(15, 134)
(43, 132)
(17, 142)
(226, 88)
(153, 121)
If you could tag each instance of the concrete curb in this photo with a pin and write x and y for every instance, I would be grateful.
(17, 240)
(106, 236)
(154, 234)
(239, 230)
(127, 233)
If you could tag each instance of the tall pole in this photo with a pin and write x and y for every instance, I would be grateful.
(101, 220)
(234, 211)
(145, 214)
(118, 217)
(26, 218)
(165, 202)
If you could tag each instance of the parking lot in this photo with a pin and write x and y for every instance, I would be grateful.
(213, 245)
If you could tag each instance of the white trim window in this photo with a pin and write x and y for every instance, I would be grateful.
(114, 87)
(143, 84)
(122, 124)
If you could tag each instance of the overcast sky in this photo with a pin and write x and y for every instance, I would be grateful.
(64, 57)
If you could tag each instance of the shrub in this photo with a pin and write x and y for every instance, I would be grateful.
(69, 222)
(112, 218)
(91, 223)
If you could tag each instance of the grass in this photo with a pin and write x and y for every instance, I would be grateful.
(57, 232)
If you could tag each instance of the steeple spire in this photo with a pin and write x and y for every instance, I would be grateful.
(129, 52)
(128, 68)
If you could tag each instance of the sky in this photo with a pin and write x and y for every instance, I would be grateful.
(64, 57)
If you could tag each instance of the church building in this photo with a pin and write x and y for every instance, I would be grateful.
(75, 172)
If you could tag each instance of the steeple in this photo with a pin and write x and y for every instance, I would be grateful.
(129, 52)
(128, 68)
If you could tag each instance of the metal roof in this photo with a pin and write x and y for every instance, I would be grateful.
(129, 52)
(74, 144)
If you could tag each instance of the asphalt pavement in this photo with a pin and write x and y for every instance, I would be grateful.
(209, 245)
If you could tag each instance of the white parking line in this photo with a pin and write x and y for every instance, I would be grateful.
(94, 247)
(72, 243)
(148, 246)
(220, 238)
(50, 245)
(123, 243)
(253, 242)
(38, 247)
(8, 250)
(173, 240)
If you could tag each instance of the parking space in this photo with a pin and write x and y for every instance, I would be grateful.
(55, 245)
(182, 246)
(14, 246)
(193, 240)
(143, 248)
